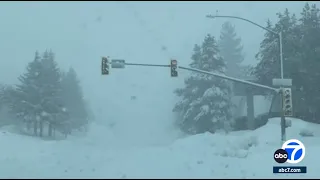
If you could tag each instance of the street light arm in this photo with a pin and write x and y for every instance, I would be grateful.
(235, 17)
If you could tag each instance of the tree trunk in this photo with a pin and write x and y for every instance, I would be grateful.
(41, 128)
(50, 130)
(35, 128)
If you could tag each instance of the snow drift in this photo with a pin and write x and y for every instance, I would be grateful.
(245, 154)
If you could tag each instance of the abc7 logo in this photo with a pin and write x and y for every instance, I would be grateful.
(293, 151)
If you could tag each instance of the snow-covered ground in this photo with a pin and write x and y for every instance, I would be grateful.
(246, 154)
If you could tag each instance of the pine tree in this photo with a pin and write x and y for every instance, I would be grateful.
(2, 95)
(205, 104)
(73, 99)
(53, 105)
(26, 101)
(268, 67)
(6, 93)
(309, 54)
(36, 99)
(231, 51)
(301, 54)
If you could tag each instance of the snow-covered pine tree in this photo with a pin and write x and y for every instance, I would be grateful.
(268, 55)
(268, 66)
(5, 98)
(308, 74)
(2, 95)
(205, 104)
(25, 100)
(231, 51)
(53, 109)
(5, 93)
(36, 99)
(73, 99)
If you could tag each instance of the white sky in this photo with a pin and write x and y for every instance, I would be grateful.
(134, 31)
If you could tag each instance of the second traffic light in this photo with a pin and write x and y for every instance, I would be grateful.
(287, 102)
(174, 66)
(105, 66)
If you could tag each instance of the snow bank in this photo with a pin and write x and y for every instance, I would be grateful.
(246, 154)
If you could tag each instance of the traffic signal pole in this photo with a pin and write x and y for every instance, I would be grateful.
(283, 118)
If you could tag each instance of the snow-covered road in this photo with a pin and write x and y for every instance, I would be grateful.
(237, 155)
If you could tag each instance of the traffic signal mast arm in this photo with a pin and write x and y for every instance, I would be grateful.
(136, 64)
(231, 78)
(122, 63)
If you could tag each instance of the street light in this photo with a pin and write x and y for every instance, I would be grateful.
(273, 32)
(281, 81)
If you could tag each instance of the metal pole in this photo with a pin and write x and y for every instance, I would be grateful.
(283, 118)
(230, 78)
(281, 54)
(140, 64)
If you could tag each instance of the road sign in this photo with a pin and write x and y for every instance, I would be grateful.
(117, 63)
(282, 82)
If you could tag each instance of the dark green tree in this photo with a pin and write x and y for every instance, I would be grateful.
(36, 99)
(231, 51)
(74, 100)
(307, 69)
(205, 104)
(269, 53)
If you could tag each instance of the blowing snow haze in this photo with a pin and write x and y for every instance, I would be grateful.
(135, 107)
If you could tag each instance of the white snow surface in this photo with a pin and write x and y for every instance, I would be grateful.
(243, 154)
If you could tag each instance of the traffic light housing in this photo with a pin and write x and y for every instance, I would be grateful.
(174, 66)
(287, 102)
(104, 66)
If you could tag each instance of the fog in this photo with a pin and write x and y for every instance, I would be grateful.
(79, 33)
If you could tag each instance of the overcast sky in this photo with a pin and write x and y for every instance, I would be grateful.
(81, 32)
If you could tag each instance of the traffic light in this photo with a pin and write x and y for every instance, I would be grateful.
(104, 66)
(174, 72)
(287, 102)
